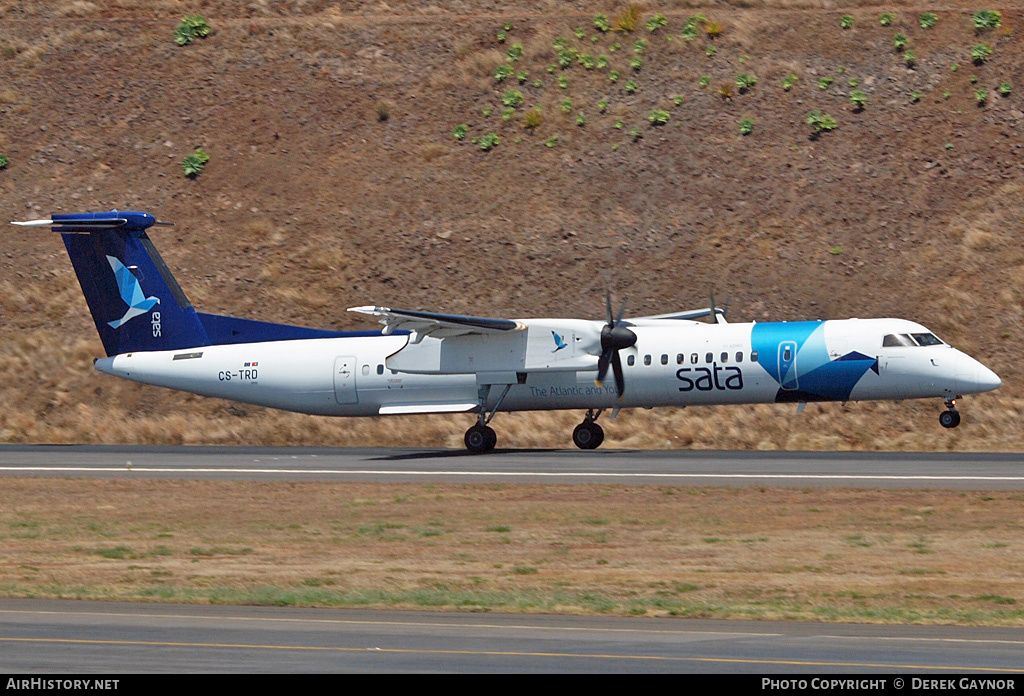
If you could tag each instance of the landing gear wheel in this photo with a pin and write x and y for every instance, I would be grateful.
(481, 438)
(949, 419)
(588, 435)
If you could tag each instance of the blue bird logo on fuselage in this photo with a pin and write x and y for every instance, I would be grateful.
(559, 342)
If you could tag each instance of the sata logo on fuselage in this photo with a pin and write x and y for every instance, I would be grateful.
(707, 379)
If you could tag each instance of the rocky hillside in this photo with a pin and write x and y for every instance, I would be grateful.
(591, 158)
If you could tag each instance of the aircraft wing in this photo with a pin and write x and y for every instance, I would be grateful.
(422, 324)
(689, 315)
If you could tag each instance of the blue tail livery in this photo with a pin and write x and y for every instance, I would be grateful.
(135, 301)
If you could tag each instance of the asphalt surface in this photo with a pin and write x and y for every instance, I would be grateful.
(47, 636)
(67, 637)
(975, 471)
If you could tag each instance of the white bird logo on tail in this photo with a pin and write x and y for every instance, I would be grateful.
(131, 292)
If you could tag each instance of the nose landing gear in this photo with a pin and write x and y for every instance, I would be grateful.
(951, 417)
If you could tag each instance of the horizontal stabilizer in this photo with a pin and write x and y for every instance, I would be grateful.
(83, 223)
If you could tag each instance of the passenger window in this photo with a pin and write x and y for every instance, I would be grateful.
(631, 360)
(647, 360)
(679, 359)
(787, 353)
(725, 357)
(380, 369)
(753, 356)
(693, 358)
(739, 356)
(366, 370)
(709, 357)
(664, 359)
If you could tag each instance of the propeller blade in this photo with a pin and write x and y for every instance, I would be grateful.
(608, 306)
(620, 382)
(602, 366)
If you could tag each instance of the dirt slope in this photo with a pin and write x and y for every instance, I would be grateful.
(313, 201)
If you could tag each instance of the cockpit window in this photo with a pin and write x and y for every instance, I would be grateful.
(892, 340)
(918, 339)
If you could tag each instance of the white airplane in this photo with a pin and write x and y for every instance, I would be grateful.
(422, 362)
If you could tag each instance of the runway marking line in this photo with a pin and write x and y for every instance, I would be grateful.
(437, 624)
(542, 474)
(501, 653)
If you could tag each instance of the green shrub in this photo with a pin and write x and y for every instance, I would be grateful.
(635, 133)
(859, 99)
(846, 21)
(502, 72)
(915, 96)
(566, 105)
(659, 117)
(656, 22)
(459, 133)
(821, 122)
(886, 19)
(512, 97)
(489, 141)
(710, 51)
(192, 27)
(613, 76)
(909, 58)
(678, 99)
(601, 23)
(746, 126)
(704, 80)
(981, 96)
(631, 86)
(745, 82)
(1004, 89)
(789, 81)
(4, 161)
(636, 62)
(551, 142)
(193, 164)
(825, 83)
(515, 53)
(563, 82)
(987, 19)
(927, 20)
(900, 41)
(602, 105)
(981, 53)
(581, 119)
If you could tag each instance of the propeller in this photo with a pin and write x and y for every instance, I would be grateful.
(614, 337)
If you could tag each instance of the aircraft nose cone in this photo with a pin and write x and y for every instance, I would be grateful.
(973, 378)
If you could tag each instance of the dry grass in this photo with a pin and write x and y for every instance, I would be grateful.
(907, 556)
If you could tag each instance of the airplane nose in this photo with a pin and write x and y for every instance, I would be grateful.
(973, 378)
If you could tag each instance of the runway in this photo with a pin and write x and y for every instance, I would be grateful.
(54, 636)
(68, 637)
(967, 471)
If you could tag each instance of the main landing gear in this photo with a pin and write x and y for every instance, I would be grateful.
(588, 434)
(951, 417)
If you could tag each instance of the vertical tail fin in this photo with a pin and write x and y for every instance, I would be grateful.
(136, 303)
